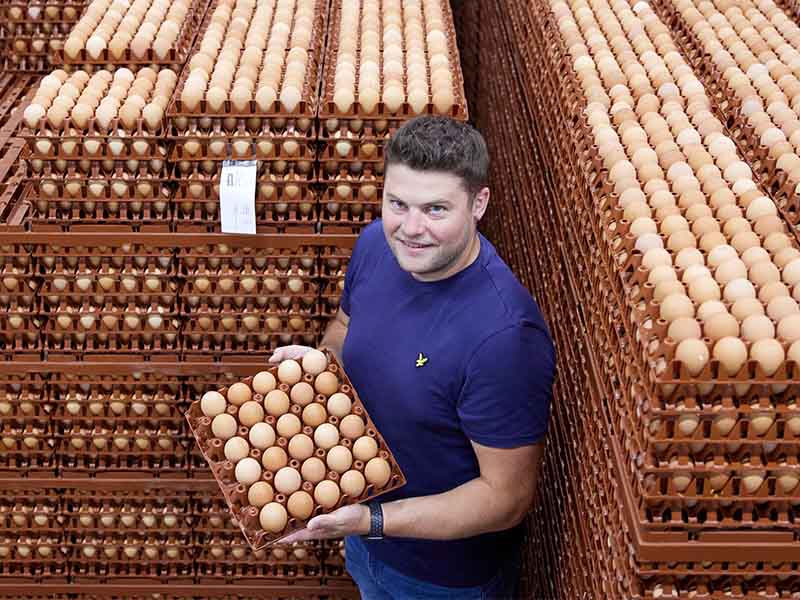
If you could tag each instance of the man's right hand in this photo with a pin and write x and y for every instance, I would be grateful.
(295, 352)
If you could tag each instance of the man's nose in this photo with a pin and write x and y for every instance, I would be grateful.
(413, 224)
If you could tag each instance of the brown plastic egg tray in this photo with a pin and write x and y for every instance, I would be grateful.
(220, 260)
(22, 337)
(298, 215)
(19, 458)
(306, 108)
(274, 171)
(35, 13)
(51, 260)
(268, 192)
(32, 558)
(220, 146)
(109, 513)
(66, 213)
(328, 108)
(138, 409)
(176, 57)
(227, 558)
(236, 493)
(215, 340)
(34, 510)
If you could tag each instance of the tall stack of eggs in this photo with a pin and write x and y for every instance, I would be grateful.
(33, 32)
(97, 151)
(249, 301)
(385, 63)
(102, 298)
(288, 444)
(249, 91)
(17, 299)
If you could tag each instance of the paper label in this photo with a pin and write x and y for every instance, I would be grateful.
(237, 196)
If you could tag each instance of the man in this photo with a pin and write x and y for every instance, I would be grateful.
(451, 357)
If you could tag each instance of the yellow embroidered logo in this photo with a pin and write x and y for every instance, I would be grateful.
(421, 360)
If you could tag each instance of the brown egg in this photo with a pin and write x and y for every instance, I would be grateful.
(273, 517)
(339, 405)
(212, 404)
(288, 425)
(274, 458)
(250, 413)
(327, 493)
(276, 403)
(224, 426)
(259, 494)
(290, 372)
(339, 459)
(247, 471)
(261, 436)
(326, 436)
(287, 480)
(302, 393)
(326, 383)
(236, 448)
(239, 393)
(693, 354)
(313, 470)
(377, 472)
(352, 427)
(300, 505)
(314, 415)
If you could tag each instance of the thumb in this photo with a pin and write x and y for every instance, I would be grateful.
(277, 356)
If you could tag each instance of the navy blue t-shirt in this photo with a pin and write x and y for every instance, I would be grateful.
(487, 378)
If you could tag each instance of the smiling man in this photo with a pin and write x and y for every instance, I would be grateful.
(454, 363)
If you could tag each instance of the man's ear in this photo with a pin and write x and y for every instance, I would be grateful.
(480, 203)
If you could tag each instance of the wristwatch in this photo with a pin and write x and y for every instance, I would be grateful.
(375, 521)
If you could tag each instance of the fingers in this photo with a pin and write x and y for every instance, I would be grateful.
(277, 356)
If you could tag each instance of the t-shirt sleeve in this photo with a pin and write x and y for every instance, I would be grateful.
(505, 401)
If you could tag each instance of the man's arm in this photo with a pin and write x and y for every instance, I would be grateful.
(335, 333)
(499, 499)
(496, 500)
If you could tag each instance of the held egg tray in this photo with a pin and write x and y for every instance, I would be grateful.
(175, 57)
(782, 191)
(236, 493)
(306, 108)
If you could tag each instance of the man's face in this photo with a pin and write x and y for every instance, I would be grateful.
(428, 220)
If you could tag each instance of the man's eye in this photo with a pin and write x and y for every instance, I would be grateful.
(396, 204)
(437, 210)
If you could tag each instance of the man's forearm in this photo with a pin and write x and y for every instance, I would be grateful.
(333, 339)
(468, 510)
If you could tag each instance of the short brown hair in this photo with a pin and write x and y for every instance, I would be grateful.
(434, 143)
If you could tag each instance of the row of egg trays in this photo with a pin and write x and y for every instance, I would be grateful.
(728, 106)
(13, 13)
(175, 57)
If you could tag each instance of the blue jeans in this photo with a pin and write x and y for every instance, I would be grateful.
(378, 581)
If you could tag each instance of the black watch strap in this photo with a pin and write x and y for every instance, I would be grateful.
(375, 521)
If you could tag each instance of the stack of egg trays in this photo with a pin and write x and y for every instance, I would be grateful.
(129, 536)
(176, 58)
(225, 558)
(72, 174)
(728, 108)
(351, 143)
(334, 570)
(649, 545)
(32, 539)
(19, 310)
(31, 32)
(601, 213)
(571, 486)
(27, 441)
(283, 144)
(120, 425)
(236, 493)
(123, 264)
(240, 302)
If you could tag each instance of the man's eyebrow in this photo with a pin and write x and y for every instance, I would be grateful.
(434, 202)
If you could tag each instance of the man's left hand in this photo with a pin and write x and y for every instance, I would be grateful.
(348, 520)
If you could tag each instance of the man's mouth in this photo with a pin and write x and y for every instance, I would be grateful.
(415, 245)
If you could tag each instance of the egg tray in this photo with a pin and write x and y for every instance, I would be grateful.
(170, 464)
(14, 341)
(17, 301)
(176, 56)
(332, 172)
(247, 260)
(348, 214)
(235, 493)
(151, 419)
(222, 306)
(307, 107)
(279, 278)
(167, 286)
(29, 40)
(219, 342)
(328, 108)
(205, 187)
(52, 260)
(133, 572)
(18, 519)
(26, 409)
(96, 211)
(36, 570)
(20, 13)
(159, 436)
(100, 340)
(277, 172)
(277, 216)
(764, 168)
(306, 148)
(36, 139)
